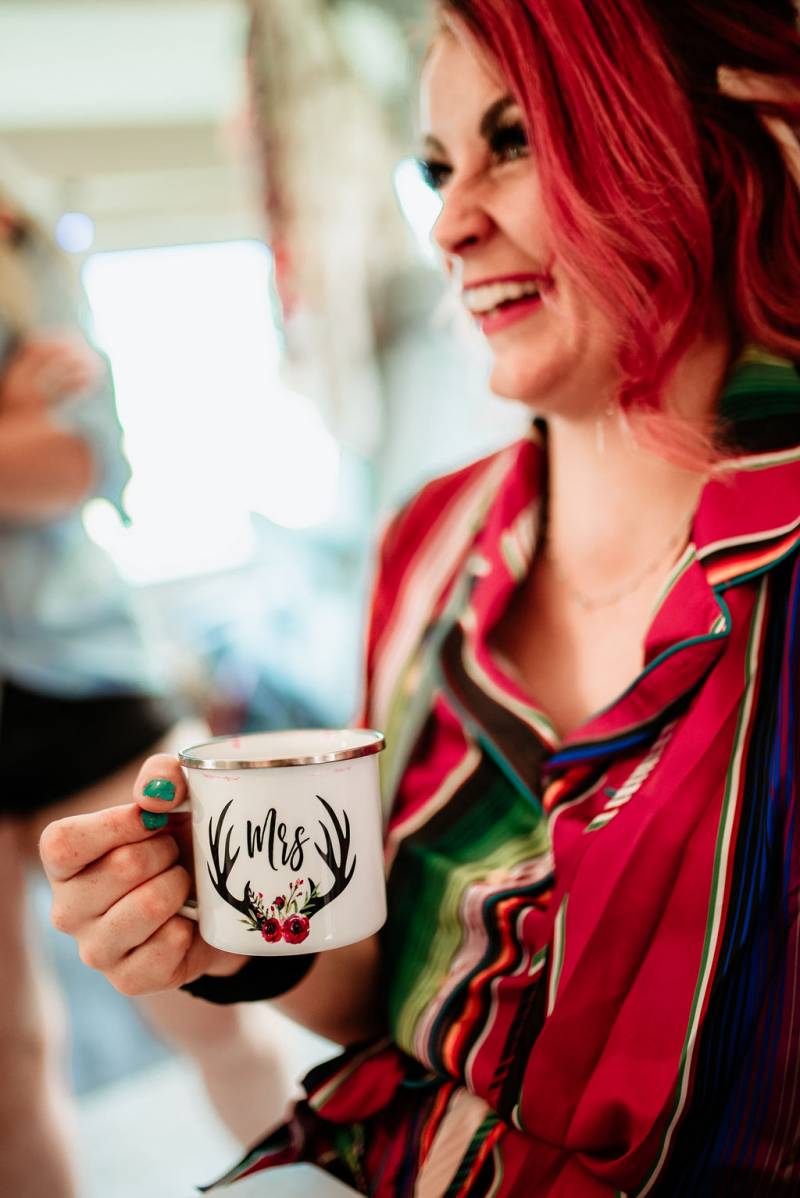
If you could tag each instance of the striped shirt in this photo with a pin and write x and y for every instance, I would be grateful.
(592, 954)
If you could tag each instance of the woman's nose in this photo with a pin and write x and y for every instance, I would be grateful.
(463, 221)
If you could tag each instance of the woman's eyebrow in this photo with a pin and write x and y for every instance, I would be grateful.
(432, 145)
(489, 123)
(491, 118)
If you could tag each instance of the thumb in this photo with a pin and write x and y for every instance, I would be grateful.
(159, 788)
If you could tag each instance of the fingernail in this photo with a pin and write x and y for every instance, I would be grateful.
(153, 820)
(160, 788)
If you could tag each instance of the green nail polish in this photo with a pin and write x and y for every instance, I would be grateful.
(160, 788)
(153, 821)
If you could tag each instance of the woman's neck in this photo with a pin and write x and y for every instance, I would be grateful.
(611, 503)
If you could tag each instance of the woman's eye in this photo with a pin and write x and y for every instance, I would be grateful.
(509, 142)
(435, 174)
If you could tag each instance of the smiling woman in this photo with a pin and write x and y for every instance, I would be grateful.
(647, 176)
(583, 650)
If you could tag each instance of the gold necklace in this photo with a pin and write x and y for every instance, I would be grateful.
(631, 584)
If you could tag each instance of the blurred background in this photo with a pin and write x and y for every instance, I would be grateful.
(232, 183)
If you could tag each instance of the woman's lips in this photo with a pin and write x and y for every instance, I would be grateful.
(495, 303)
(508, 314)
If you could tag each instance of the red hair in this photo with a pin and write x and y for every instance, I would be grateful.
(663, 196)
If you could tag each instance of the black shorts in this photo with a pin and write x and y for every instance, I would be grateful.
(52, 747)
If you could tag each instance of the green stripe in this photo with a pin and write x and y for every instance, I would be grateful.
(754, 462)
(759, 386)
(600, 821)
(491, 830)
(559, 942)
(516, 562)
(422, 966)
(683, 564)
(497, 1182)
(468, 1159)
(538, 960)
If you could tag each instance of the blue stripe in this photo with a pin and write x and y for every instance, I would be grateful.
(600, 749)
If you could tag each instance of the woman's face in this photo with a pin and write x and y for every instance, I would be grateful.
(551, 348)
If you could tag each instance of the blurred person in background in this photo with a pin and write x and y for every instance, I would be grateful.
(584, 651)
(80, 704)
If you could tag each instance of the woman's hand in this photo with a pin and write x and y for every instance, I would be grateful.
(118, 886)
(45, 369)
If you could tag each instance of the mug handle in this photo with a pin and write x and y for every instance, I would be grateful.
(189, 908)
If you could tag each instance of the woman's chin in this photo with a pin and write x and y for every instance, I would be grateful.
(534, 389)
(557, 385)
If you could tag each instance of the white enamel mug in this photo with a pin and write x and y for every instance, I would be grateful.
(287, 836)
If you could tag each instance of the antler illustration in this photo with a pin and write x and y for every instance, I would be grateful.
(220, 882)
(334, 858)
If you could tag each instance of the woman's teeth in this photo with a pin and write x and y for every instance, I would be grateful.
(482, 300)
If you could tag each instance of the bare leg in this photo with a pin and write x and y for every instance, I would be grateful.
(35, 1112)
(237, 1049)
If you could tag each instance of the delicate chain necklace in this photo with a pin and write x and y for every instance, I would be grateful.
(631, 584)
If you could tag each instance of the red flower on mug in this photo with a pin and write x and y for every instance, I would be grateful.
(279, 901)
(295, 929)
(272, 930)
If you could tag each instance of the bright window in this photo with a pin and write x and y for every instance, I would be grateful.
(211, 433)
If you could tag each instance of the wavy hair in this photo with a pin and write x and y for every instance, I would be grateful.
(664, 196)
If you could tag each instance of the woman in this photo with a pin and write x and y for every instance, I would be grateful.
(583, 651)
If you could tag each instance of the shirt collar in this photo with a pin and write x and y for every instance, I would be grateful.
(748, 518)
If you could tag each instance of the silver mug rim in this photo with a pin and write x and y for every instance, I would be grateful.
(376, 745)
